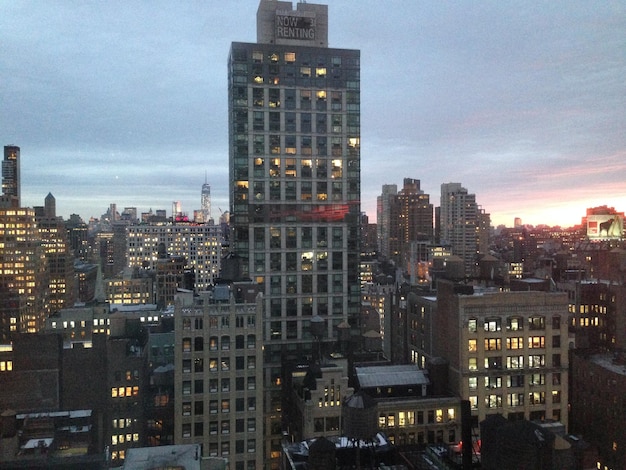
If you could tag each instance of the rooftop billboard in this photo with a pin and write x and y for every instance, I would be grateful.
(605, 226)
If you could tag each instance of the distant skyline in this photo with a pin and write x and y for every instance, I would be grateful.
(121, 102)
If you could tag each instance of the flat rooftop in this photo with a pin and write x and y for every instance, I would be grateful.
(187, 456)
(385, 376)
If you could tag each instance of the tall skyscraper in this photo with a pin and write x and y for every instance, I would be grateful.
(464, 224)
(383, 221)
(24, 303)
(294, 138)
(11, 173)
(405, 217)
(205, 201)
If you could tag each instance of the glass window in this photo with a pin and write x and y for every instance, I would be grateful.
(515, 343)
(493, 344)
(537, 360)
(536, 323)
(493, 401)
(515, 362)
(536, 342)
(514, 324)
(473, 383)
(225, 406)
(493, 324)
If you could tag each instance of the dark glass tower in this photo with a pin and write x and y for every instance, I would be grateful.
(11, 173)
(294, 134)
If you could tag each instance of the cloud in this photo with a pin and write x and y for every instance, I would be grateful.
(525, 100)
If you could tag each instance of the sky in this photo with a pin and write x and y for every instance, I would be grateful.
(125, 102)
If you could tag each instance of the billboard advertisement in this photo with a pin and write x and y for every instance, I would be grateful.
(295, 25)
(605, 226)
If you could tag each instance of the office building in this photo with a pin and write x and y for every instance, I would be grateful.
(219, 375)
(316, 399)
(130, 287)
(294, 162)
(78, 235)
(85, 280)
(507, 351)
(24, 280)
(59, 256)
(464, 225)
(597, 313)
(408, 412)
(24, 303)
(598, 404)
(200, 245)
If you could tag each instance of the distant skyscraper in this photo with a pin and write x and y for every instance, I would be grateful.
(205, 200)
(383, 221)
(463, 223)
(177, 209)
(54, 238)
(405, 217)
(294, 144)
(11, 173)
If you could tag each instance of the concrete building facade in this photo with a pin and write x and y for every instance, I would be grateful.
(218, 377)
(59, 256)
(201, 246)
(507, 351)
(24, 278)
